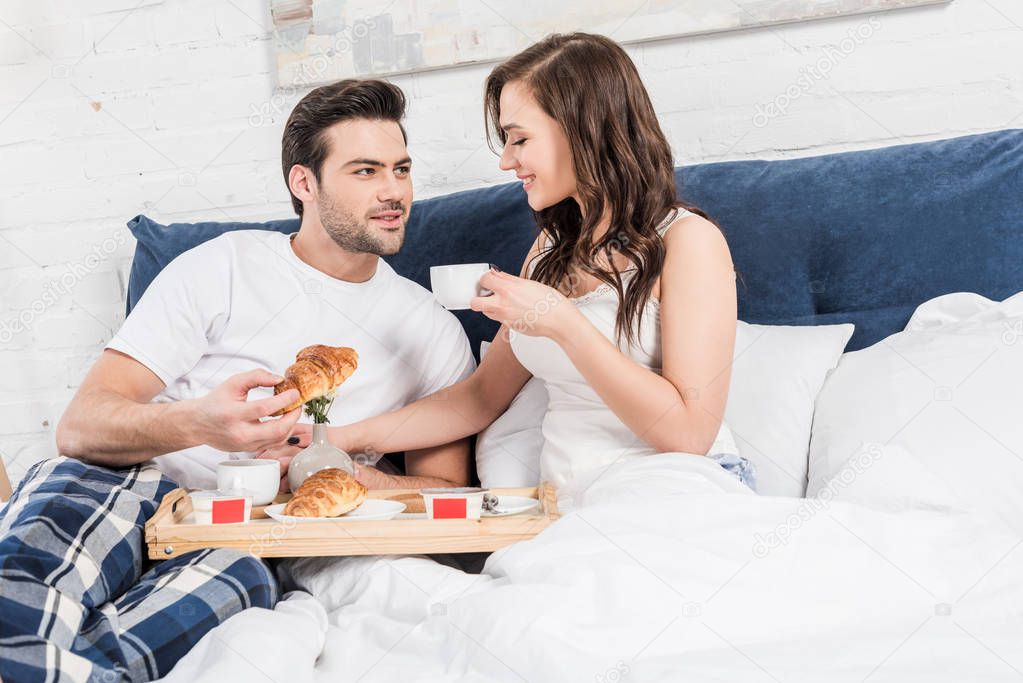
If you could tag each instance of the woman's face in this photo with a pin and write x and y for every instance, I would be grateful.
(536, 149)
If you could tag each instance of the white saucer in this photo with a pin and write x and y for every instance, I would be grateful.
(371, 509)
(511, 505)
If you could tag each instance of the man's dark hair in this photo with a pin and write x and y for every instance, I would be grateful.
(304, 142)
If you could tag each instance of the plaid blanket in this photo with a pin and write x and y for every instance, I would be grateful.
(78, 599)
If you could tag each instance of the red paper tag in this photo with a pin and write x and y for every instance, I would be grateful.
(449, 508)
(229, 511)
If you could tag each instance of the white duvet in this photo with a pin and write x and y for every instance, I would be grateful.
(664, 569)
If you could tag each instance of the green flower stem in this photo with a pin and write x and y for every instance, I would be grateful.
(319, 407)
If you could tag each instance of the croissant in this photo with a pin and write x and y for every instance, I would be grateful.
(317, 370)
(327, 493)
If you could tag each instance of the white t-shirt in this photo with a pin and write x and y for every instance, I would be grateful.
(244, 300)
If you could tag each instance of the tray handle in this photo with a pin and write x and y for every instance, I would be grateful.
(549, 500)
(167, 507)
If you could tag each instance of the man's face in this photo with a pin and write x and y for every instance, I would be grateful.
(365, 188)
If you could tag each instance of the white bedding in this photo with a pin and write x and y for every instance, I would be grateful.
(665, 570)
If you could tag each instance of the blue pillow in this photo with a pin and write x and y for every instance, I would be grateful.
(157, 245)
(493, 225)
(861, 237)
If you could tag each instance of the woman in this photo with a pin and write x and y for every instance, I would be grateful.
(625, 305)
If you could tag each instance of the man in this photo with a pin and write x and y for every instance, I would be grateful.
(229, 316)
(170, 397)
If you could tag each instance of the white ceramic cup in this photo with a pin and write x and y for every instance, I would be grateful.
(203, 502)
(469, 498)
(260, 478)
(455, 286)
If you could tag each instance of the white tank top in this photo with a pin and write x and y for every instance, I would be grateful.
(580, 432)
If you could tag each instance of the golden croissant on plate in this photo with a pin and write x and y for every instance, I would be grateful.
(317, 371)
(327, 493)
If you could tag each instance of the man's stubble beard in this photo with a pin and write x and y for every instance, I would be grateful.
(353, 235)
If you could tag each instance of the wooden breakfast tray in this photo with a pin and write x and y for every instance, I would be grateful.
(170, 532)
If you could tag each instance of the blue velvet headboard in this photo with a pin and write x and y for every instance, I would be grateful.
(860, 237)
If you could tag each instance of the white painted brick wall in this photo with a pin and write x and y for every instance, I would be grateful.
(112, 108)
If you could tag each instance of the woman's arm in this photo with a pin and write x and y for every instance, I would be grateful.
(681, 409)
(447, 415)
(452, 413)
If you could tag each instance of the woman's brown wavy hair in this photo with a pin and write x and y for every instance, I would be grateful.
(623, 164)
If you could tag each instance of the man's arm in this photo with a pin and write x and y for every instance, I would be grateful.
(110, 421)
(443, 466)
(448, 463)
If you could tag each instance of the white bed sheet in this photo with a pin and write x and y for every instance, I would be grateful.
(663, 570)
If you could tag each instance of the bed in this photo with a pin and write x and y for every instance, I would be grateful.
(887, 544)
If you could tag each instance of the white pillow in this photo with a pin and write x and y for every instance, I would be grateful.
(929, 417)
(508, 451)
(776, 375)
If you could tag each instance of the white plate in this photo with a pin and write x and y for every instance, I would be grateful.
(511, 505)
(371, 509)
